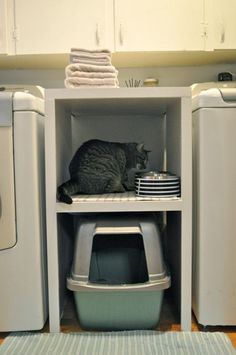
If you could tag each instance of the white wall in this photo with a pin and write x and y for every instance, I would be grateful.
(177, 76)
(168, 76)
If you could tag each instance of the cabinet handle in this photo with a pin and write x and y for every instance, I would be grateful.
(121, 34)
(222, 34)
(97, 35)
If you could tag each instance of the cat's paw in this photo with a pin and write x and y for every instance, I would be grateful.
(128, 186)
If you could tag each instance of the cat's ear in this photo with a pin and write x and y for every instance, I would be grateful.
(140, 147)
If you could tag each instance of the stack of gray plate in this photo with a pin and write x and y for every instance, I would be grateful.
(157, 184)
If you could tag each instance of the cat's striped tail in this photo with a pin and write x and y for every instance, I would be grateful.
(65, 191)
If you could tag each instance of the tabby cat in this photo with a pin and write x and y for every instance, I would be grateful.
(102, 167)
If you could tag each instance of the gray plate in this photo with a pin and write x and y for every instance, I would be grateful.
(157, 196)
(157, 187)
(160, 193)
(155, 175)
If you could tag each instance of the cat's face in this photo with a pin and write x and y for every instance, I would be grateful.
(141, 157)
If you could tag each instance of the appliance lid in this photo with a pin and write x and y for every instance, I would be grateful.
(215, 97)
(228, 94)
(25, 97)
(23, 101)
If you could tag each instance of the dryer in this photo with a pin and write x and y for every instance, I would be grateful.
(214, 204)
(23, 281)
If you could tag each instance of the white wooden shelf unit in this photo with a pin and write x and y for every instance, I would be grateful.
(159, 117)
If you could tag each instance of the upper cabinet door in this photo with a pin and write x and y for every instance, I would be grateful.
(221, 21)
(7, 43)
(3, 30)
(52, 26)
(159, 25)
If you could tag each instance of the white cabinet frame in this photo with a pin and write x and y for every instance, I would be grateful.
(177, 101)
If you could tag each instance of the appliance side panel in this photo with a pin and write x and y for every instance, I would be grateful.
(195, 272)
(30, 202)
(7, 190)
(23, 295)
(214, 220)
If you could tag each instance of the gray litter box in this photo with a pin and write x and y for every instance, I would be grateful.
(118, 274)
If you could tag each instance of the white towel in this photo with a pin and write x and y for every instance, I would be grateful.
(90, 51)
(92, 56)
(91, 75)
(89, 61)
(76, 86)
(92, 68)
(91, 82)
(74, 69)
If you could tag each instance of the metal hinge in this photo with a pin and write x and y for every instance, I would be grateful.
(15, 34)
(204, 34)
(204, 30)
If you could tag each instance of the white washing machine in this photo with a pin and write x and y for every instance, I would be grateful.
(23, 282)
(214, 202)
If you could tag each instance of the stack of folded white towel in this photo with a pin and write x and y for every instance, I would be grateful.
(90, 68)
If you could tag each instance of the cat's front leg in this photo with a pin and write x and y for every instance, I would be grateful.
(128, 183)
(128, 186)
(114, 185)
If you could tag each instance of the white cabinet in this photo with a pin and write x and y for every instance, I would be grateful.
(174, 25)
(6, 27)
(51, 26)
(44, 27)
(159, 25)
(159, 117)
(3, 37)
(221, 24)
